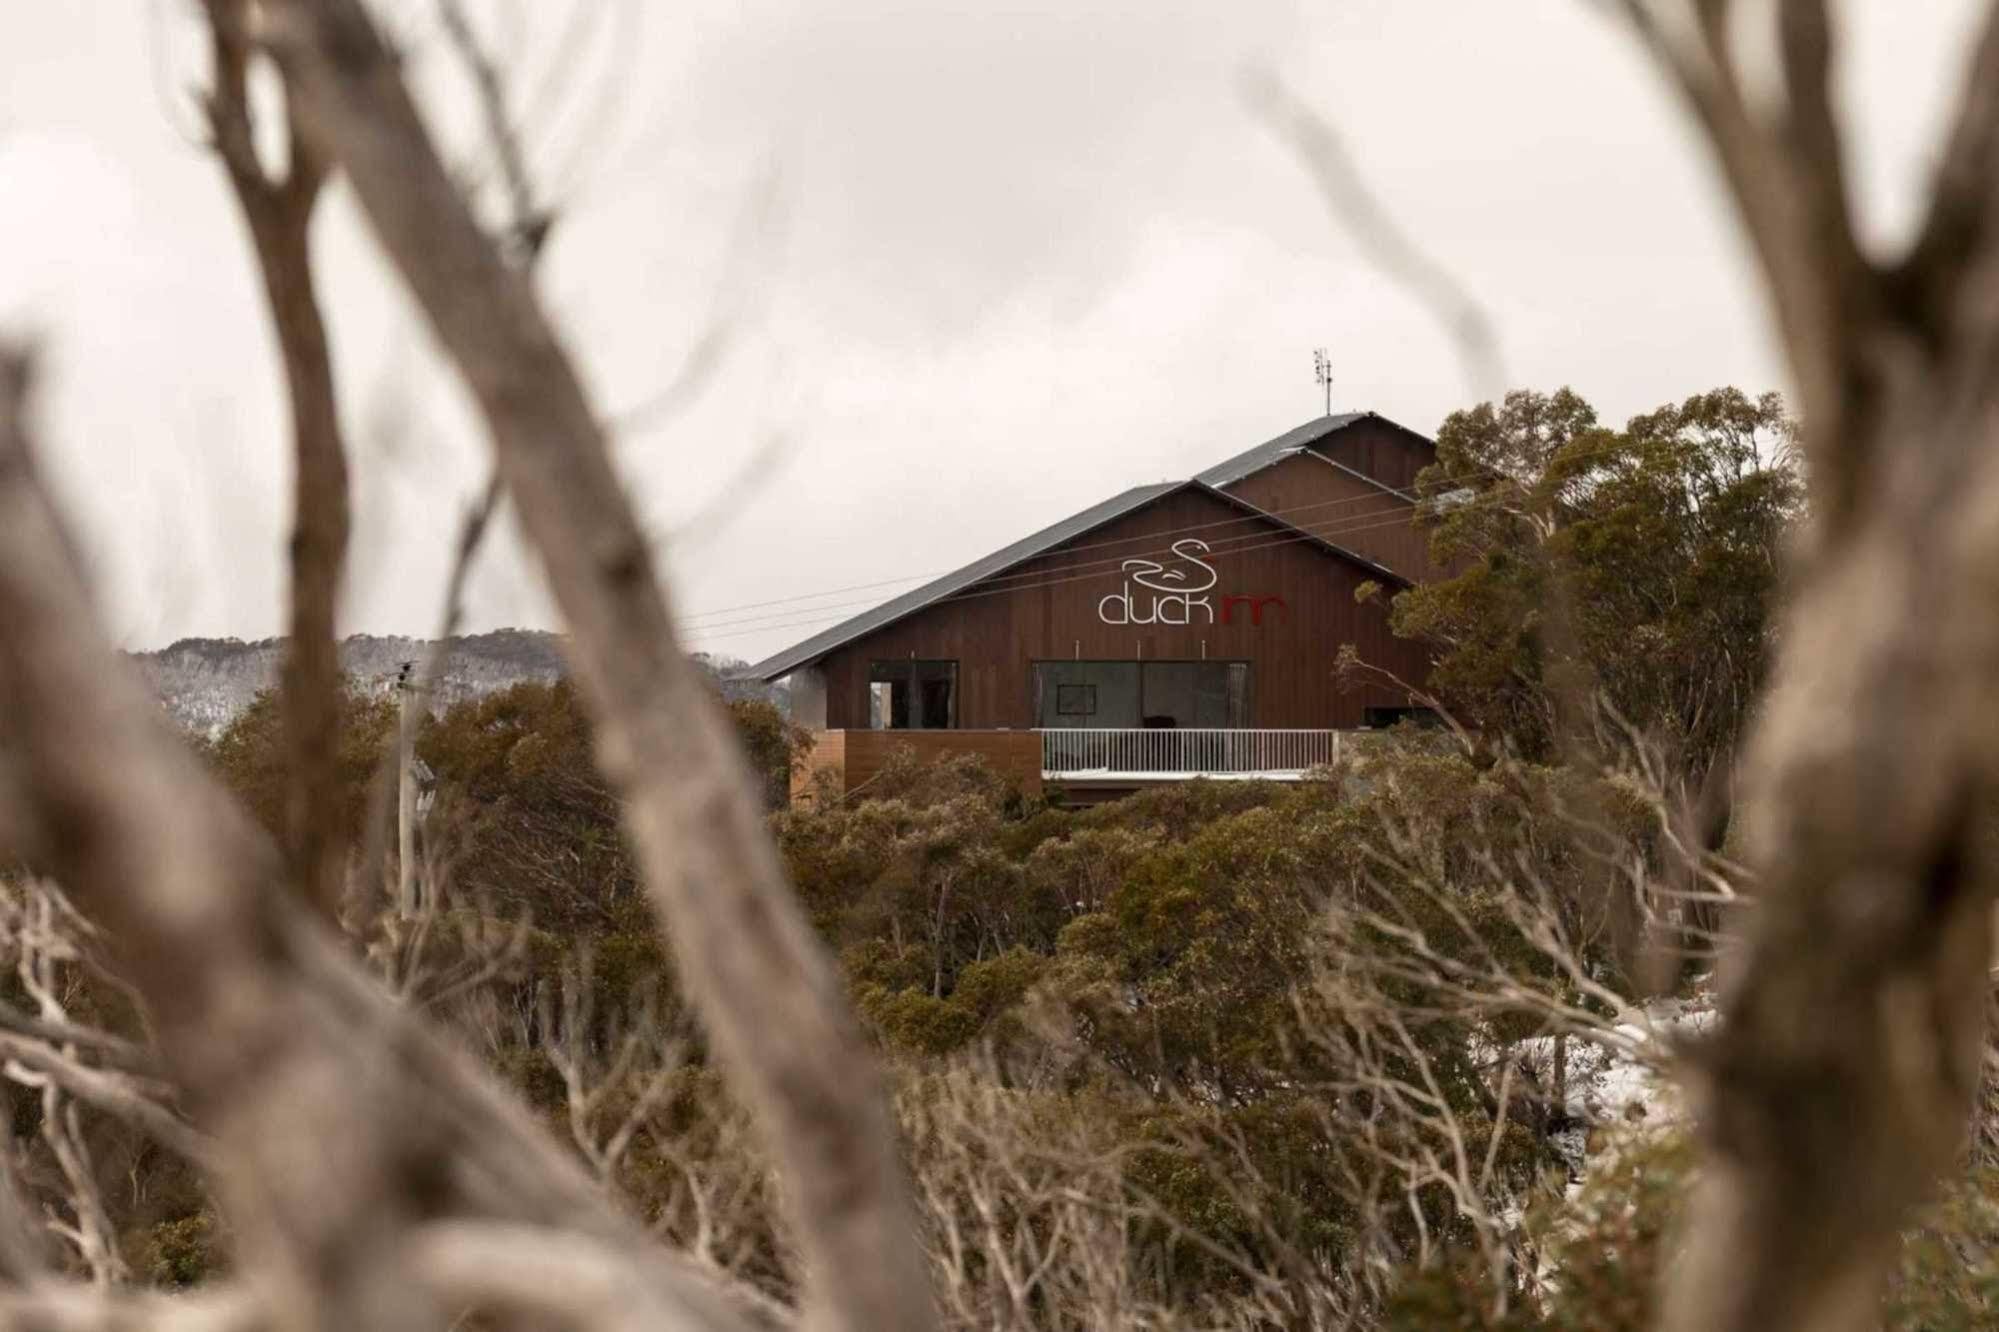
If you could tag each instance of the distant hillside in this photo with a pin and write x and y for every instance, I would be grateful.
(204, 682)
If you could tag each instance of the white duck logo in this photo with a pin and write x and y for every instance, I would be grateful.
(1177, 593)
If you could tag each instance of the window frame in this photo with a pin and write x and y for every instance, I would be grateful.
(1239, 675)
(909, 673)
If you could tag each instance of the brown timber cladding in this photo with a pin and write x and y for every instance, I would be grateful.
(1047, 609)
(1345, 509)
(1384, 451)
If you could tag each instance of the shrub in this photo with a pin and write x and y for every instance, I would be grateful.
(183, 1252)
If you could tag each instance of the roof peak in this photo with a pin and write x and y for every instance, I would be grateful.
(810, 649)
(1231, 470)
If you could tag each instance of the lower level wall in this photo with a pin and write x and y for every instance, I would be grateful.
(856, 757)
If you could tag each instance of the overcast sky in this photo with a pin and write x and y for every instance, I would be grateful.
(979, 265)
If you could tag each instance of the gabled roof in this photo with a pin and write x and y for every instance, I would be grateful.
(1271, 452)
(1048, 538)
(896, 608)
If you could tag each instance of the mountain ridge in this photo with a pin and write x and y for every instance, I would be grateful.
(205, 683)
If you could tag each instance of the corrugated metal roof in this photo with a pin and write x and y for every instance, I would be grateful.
(811, 649)
(1271, 452)
(799, 654)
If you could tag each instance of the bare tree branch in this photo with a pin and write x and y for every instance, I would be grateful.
(1962, 202)
(766, 988)
(1789, 191)
(23, 1257)
(1354, 206)
(66, 1308)
(530, 222)
(279, 213)
(340, 1124)
(109, 1050)
(568, 1280)
(1836, 1091)
(114, 1094)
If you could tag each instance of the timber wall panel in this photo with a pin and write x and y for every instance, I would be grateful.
(1346, 511)
(1389, 454)
(1048, 609)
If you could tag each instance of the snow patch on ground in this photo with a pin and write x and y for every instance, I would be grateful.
(1620, 1080)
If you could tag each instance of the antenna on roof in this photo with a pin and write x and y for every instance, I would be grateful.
(1322, 370)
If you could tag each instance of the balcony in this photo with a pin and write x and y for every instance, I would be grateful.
(1126, 756)
(1095, 763)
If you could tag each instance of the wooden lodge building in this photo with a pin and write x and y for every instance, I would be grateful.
(1185, 628)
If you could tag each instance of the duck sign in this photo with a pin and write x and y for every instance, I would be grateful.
(1177, 591)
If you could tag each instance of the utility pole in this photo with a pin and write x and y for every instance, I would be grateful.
(1322, 370)
(405, 793)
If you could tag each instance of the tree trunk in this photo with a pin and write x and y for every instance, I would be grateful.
(767, 989)
(279, 214)
(1839, 1087)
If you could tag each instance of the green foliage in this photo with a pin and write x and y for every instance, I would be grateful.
(1174, 809)
(1187, 971)
(1150, 975)
(249, 757)
(919, 882)
(982, 1003)
(1599, 1257)
(915, 1020)
(771, 744)
(1602, 1257)
(537, 828)
(1948, 1279)
(992, 987)
(1640, 563)
(183, 1252)
(1610, 1247)
(1454, 1295)
(1155, 1013)
(534, 826)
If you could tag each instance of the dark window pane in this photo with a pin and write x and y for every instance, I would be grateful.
(1110, 688)
(1127, 695)
(936, 695)
(1376, 717)
(913, 694)
(1203, 694)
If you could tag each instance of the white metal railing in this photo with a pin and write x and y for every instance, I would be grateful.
(1191, 752)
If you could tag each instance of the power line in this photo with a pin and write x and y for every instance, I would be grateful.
(977, 592)
(982, 589)
(1352, 524)
(727, 611)
(1019, 582)
(1242, 519)
(1030, 578)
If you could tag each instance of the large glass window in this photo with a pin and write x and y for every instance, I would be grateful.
(1086, 693)
(1127, 695)
(912, 695)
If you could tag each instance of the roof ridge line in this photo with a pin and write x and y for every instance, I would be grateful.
(903, 605)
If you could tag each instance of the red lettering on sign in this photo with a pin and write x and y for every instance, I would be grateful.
(1255, 604)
